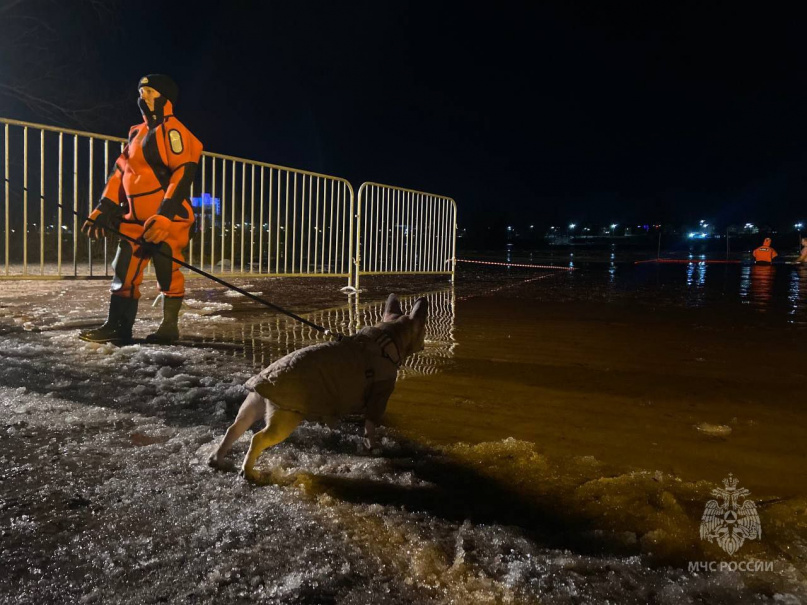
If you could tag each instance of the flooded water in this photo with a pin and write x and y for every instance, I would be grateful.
(557, 441)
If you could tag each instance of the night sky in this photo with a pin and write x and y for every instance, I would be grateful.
(523, 112)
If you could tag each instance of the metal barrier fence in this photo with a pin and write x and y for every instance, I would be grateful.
(404, 231)
(38, 227)
(270, 220)
(251, 217)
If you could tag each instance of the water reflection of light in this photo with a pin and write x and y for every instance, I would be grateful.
(612, 269)
(793, 292)
(797, 292)
(762, 286)
(745, 282)
(696, 279)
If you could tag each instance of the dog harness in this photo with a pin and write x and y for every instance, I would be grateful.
(383, 358)
(389, 348)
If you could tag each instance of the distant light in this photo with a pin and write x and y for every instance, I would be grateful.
(572, 225)
(798, 225)
(749, 225)
(532, 226)
(206, 201)
(509, 228)
(613, 226)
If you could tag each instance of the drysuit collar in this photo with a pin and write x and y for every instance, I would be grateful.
(162, 109)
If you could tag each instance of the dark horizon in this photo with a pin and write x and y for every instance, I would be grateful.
(551, 114)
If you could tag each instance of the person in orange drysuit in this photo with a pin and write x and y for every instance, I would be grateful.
(146, 198)
(765, 254)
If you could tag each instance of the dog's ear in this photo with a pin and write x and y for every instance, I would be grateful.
(417, 325)
(420, 309)
(392, 310)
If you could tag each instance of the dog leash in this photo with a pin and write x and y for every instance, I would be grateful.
(154, 249)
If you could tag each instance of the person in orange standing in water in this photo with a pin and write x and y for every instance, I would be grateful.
(146, 198)
(765, 254)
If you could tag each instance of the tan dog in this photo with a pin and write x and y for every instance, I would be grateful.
(323, 382)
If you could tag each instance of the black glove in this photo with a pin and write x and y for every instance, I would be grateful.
(107, 215)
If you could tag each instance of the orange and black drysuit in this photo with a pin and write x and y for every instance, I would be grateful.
(765, 254)
(147, 192)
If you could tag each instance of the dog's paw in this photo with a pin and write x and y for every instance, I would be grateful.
(249, 475)
(368, 449)
(220, 463)
(213, 461)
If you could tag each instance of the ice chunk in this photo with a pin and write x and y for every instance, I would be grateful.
(714, 430)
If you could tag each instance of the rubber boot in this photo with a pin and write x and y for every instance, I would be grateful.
(127, 320)
(118, 326)
(168, 331)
